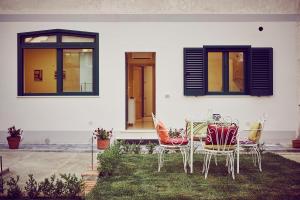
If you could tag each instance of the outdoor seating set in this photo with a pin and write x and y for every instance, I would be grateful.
(215, 137)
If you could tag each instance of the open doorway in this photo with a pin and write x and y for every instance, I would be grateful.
(140, 89)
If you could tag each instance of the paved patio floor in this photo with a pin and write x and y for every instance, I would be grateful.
(44, 164)
(295, 156)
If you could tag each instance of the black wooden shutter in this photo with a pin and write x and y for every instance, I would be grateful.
(194, 76)
(261, 72)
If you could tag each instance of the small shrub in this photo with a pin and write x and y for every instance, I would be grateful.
(109, 160)
(13, 191)
(136, 148)
(72, 185)
(150, 147)
(59, 188)
(47, 187)
(31, 187)
(126, 147)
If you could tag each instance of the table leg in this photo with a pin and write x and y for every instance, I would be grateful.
(192, 147)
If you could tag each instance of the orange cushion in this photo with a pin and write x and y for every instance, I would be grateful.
(163, 132)
(176, 141)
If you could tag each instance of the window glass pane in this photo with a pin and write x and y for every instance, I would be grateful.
(40, 39)
(39, 71)
(77, 70)
(215, 72)
(236, 72)
(67, 38)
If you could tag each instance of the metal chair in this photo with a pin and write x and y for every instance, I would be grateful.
(166, 142)
(252, 143)
(221, 140)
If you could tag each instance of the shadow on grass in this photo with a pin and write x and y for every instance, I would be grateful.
(137, 178)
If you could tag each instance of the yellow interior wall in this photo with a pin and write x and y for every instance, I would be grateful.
(71, 83)
(130, 81)
(236, 73)
(215, 80)
(39, 59)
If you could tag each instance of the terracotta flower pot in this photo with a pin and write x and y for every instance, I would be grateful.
(296, 143)
(102, 144)
(13, 142)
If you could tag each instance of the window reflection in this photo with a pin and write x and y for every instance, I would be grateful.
(215, 72)
(236, 72)
(78, 70)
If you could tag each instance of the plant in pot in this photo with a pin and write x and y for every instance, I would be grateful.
(103, 137)
(14, 137)
(296, 141)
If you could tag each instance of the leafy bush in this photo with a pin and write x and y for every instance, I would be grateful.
(150, 147)
(109, 160)
(72, 185)
(136, 148)
(13, 191)
(47, 187)
(31, 187)
(126, 147)
(59, 188)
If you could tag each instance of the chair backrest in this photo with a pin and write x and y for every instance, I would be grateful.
(199, 128)
(256, 129)
(221, 137)
(161, 130)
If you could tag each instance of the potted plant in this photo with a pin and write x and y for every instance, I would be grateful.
(14, 137)
(296, 141)
(103, 138)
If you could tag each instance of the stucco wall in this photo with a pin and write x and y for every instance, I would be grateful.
(168, 41)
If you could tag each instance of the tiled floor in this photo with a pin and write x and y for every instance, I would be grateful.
(144, 123)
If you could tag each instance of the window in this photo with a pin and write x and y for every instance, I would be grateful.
(226, 67)
(228, 70)
(58, 62)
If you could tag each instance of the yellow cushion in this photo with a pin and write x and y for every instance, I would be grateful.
(255, 132)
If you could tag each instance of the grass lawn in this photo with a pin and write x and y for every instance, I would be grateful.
(137, 178)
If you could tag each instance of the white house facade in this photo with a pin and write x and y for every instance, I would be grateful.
(70, 119)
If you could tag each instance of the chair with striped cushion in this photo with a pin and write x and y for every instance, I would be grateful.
(221, 140)
(166, 142)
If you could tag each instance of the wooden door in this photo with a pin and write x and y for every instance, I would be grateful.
(137, 91)
(148, 91)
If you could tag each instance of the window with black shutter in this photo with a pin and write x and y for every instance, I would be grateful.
(194, 75)
(228, 70)
(261, 72)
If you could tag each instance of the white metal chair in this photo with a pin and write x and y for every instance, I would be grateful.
(221, 140)
(252, 142)
(166, 142)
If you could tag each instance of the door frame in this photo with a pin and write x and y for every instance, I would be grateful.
(127, 53)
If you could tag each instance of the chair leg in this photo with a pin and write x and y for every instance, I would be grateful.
(258, 156)
(184, 158)
(160, 158)
(232, 165)
(204, 163)
(216, 160)
(207, 165)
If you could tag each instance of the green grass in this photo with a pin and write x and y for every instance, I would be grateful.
(137, 178)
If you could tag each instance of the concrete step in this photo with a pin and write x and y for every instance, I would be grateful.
(88, 186)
